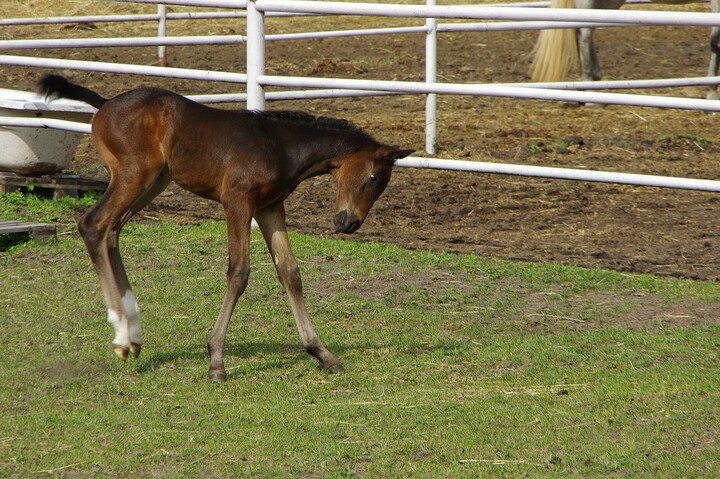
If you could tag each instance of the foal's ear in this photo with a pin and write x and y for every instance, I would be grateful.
(392, 153)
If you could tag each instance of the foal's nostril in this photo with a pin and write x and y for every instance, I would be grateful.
(352, 227)
(346, 223)
(340, 219)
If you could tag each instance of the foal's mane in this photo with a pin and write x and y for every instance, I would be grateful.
(320, 122)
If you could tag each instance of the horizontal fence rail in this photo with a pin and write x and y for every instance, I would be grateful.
(168, 72)
(535, 93)
(150, 17)
(467, 166)
(54, 123)
(491, 13)
(121, 42)
(561, 173)
(621, 84)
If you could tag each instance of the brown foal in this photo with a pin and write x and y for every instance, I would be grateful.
(246, 160)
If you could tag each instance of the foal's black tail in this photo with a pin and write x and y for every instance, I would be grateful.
(55, 86)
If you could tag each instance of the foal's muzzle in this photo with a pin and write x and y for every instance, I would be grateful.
(346, 222)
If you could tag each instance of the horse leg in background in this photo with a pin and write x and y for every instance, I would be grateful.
(129, 191)
(589, 64)
(238, 215)
(714, 53)
(274, 230)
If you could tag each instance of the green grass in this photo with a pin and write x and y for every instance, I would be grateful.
(457, 366)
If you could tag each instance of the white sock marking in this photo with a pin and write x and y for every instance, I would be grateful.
(119, 323)
(133, 314)
(127, 326)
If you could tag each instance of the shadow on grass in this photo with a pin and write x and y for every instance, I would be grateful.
(7, 241)
(277, 355)
(280, 355)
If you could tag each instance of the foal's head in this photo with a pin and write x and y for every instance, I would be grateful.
(361, 179)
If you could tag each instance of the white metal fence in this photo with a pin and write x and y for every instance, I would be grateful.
(495, 17)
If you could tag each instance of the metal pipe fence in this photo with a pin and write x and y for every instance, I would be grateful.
(497, 18)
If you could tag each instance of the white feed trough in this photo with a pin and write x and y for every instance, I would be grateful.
(37, 150)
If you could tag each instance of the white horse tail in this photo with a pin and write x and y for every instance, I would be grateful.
(555, 51)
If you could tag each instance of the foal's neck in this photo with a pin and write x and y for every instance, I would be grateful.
(316, 157)
(314, 145)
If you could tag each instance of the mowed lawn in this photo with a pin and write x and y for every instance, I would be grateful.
(457, 366)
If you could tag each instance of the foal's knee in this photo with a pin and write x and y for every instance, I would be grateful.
(289, 275)
(238, 277)
(86, 225)
(90, 231)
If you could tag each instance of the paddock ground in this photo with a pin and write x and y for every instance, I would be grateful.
(629, 229)
(466, 368)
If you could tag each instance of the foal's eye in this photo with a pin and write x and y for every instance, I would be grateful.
(373, 178)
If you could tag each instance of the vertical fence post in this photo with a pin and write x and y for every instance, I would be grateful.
(430, 77)
(255, 56)
(162, 27)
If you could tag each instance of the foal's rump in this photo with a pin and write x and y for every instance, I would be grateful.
(152, 129)
(131, 131)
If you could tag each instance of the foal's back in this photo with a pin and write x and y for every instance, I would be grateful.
(201, 148)
(154, 115)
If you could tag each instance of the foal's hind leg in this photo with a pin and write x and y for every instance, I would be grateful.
(272, 224)
(129, 191)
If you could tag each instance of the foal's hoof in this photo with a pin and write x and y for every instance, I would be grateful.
(336, 368)
(135, 349)
(217, 375)
(121, 351)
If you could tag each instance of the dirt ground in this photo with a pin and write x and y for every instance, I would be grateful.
(633, 229)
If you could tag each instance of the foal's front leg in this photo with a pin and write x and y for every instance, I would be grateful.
(272, 224)
(238, 225)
